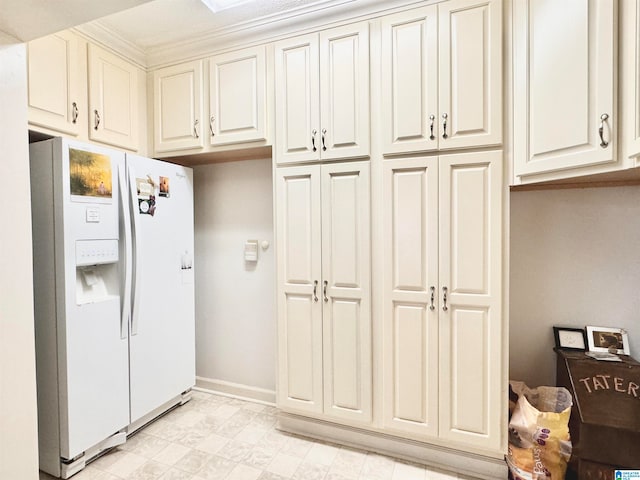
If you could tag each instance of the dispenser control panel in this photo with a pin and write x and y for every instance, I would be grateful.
(96, 252)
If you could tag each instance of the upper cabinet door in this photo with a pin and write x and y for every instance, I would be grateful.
(470, 333)
(54, 83)
(564, 71)
(630, 79)
(237, 97)
(344, 92)
(410, 81)
(178, 103)
(113, 99)
(297, 100)
(470, 74)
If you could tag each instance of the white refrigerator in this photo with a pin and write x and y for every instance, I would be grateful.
(113, 296)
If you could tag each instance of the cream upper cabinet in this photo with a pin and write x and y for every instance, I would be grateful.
(113, 99)
(54, 81)
(442, 77)
(630, 80)
(237, 97)
(178, 106)
(442, 294)
(324, 317)
(564, 92)
(322, 95)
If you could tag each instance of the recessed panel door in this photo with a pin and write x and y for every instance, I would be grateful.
(113, 99)
(562, 88)
(470, 299)
(346, 291)
(344, 92)
(297, 100)
(470, 73)
(410, 301)
(237, 97)
(410, 81)
(299, 288)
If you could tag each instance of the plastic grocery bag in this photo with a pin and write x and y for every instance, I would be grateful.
(539, 441)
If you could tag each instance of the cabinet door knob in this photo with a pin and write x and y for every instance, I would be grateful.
(195, 128)
(74, 112)
(96, 119)
(315, 290)
(432, 119)
(444, 299)
(324, 291)
(324, 132)
(444, 125)
(313, 139)
(603, 118)
(211, 120)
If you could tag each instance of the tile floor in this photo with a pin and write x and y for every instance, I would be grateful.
(219, 438)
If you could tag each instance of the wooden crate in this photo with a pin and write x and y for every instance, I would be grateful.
(605, 418)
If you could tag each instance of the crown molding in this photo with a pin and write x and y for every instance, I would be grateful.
(106, 37)
(317, 16)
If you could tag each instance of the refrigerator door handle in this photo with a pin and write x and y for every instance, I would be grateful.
(126, 295)
(137, 251)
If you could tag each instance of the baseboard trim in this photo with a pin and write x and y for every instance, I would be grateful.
(458, 461)
(236, 390)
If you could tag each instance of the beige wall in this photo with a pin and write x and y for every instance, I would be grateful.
(575, 261)
(18, 420)
(235, 301)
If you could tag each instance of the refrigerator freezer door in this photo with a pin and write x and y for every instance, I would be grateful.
(162, 344)
(82, 362)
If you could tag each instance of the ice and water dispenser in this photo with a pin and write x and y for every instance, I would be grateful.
(96, 270)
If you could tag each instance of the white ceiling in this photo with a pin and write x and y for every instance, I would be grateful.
(29, 19)
(164, 22)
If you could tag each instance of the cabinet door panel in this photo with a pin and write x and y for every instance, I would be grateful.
(410, 80)
(299, 275)
(113, 99)
(344, 92)
(346, 260)
(561, 88)
(630, 78)
(178, 103)
(237, 99)
(470, 73)
(471, 326)
(410, 326)
(53, 83)
(297, 100)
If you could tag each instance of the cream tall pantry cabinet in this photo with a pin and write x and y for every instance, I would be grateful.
(323, 288)
(442, 285)
(322, 95)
